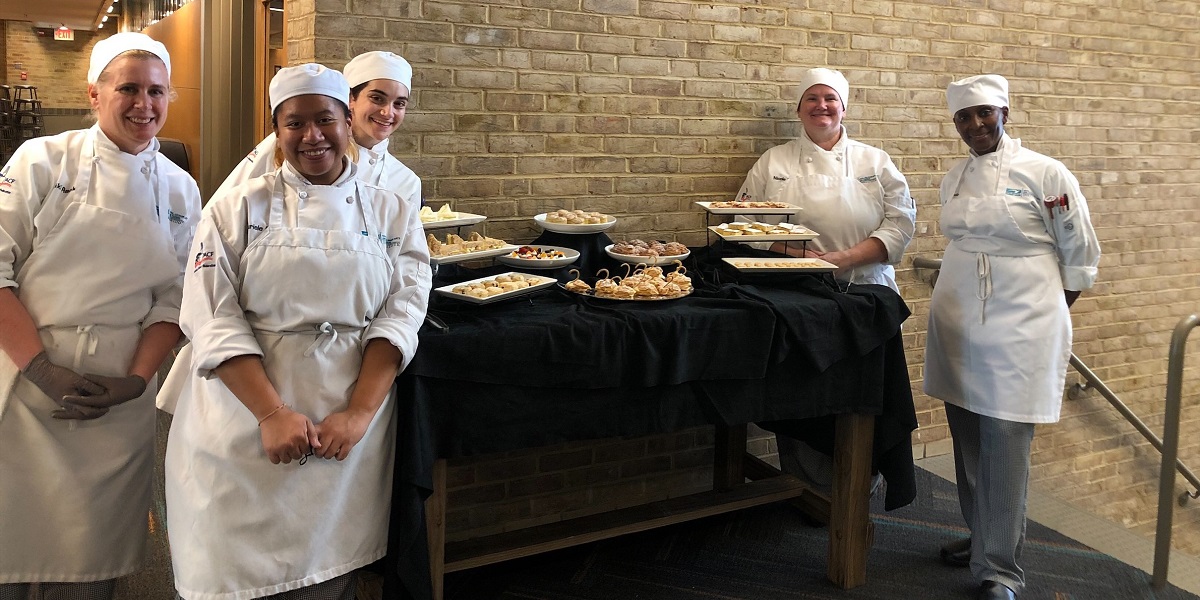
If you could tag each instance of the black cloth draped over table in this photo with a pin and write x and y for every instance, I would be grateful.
(787, 351)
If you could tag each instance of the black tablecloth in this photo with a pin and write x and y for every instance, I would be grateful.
(787, 351)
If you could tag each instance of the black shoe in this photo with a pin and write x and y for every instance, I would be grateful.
(994, 590)
(957, 553)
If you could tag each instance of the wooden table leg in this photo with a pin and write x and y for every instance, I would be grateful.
(849, 524)
(729, 446)
(435, 527)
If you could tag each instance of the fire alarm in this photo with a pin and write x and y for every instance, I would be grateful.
(24, 75)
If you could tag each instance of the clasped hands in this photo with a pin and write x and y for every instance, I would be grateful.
(288, 435)
(81, 397)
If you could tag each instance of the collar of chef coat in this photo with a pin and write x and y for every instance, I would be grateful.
(377, 151)
(293, 177)
(808, 146)
(1004, 140)
(103, 143)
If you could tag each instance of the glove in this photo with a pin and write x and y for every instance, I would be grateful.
(58, 383)
(117, 390)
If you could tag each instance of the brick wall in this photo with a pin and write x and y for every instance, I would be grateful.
(58, 68)
(641, 107)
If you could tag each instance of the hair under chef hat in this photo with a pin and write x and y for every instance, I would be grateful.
(378, 65)
(977, 90)
(107, 49)
(829, 77)
(308, 78)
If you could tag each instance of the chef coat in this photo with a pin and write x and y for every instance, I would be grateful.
(849, 193)
(376, 166)
(303, 276)
(93, 242)
(999, 335)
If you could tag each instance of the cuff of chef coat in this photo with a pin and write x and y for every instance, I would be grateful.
(220, 340)
(396, 332)
(161, 314)
(893, 245)
(1078, 278)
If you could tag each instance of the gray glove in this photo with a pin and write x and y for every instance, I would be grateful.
(117, 390)
(58, 383)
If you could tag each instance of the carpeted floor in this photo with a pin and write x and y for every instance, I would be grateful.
(768, 553)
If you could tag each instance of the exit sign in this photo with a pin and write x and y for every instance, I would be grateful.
(64, 33)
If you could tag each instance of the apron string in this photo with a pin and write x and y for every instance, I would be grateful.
(327, 336)
(983, 271)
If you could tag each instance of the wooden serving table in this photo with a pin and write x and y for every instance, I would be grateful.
(794, 351)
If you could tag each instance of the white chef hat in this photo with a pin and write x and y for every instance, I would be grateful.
(829, 77)
(308, 78)
(378, 65)
(115, 45)
(977, 90)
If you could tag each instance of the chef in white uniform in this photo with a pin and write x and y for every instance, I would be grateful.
(852, 195)
(95, 227)
(302, 303)
(380, 90)
(1021, 249)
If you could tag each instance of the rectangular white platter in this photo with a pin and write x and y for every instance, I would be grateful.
(791, 210)
(543, 283)
(455, 258)
(462, 220)
(781, 265)
(800, 233)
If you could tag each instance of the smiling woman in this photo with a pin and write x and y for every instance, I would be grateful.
(301, 370)
(95, 226)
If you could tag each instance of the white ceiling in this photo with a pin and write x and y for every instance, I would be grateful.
(76, 14)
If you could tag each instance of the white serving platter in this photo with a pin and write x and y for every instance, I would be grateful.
(448, 290)
(570, 255)
(462, 220)
(541, 221)
(454, 258)
(790, 210)
(646, 260)
(799, 233)
(781, 265)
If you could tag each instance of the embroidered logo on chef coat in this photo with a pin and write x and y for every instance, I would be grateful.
(204, 259)
(253, 155)
(175, 217)
(868, 179)
(1013, 192)
(391, 242)
(6, 183)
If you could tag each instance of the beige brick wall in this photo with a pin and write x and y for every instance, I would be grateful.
(641, 107)
(58, 68)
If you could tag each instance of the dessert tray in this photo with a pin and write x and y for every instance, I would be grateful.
(574, 221)
(486, 290)
(456, 249)
(539, 257)
(637, 285)
(781, 265)
(655, 254)
(763, 232)
(750, 208)
(444, 217)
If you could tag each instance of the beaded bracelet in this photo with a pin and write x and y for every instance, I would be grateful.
(268, 415)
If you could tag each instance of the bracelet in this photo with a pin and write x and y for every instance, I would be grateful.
(268, 415)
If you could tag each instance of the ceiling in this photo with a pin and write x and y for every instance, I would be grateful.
(76, 14)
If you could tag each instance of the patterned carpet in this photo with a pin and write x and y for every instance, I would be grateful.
(768, 553)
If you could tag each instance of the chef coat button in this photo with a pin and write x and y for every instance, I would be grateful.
(809, 159)
(349, 199)
(972, 169)
(303, 194)
(145, 170)
(373, 161)
(839, 159)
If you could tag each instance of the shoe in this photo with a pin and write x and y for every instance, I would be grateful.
(957, 553)
(994, 590)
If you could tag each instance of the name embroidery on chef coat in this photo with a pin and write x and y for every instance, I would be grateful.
(63, 188)
(868, 179)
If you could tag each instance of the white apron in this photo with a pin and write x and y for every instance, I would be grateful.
(999, 327)
(84, 486)
(844, 210)
(241, 527)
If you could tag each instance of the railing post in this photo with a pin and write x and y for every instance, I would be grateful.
(1170, 451)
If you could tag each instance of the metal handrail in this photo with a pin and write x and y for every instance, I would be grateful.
(1166, 480)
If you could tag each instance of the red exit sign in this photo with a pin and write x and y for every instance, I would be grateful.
(64, 33)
